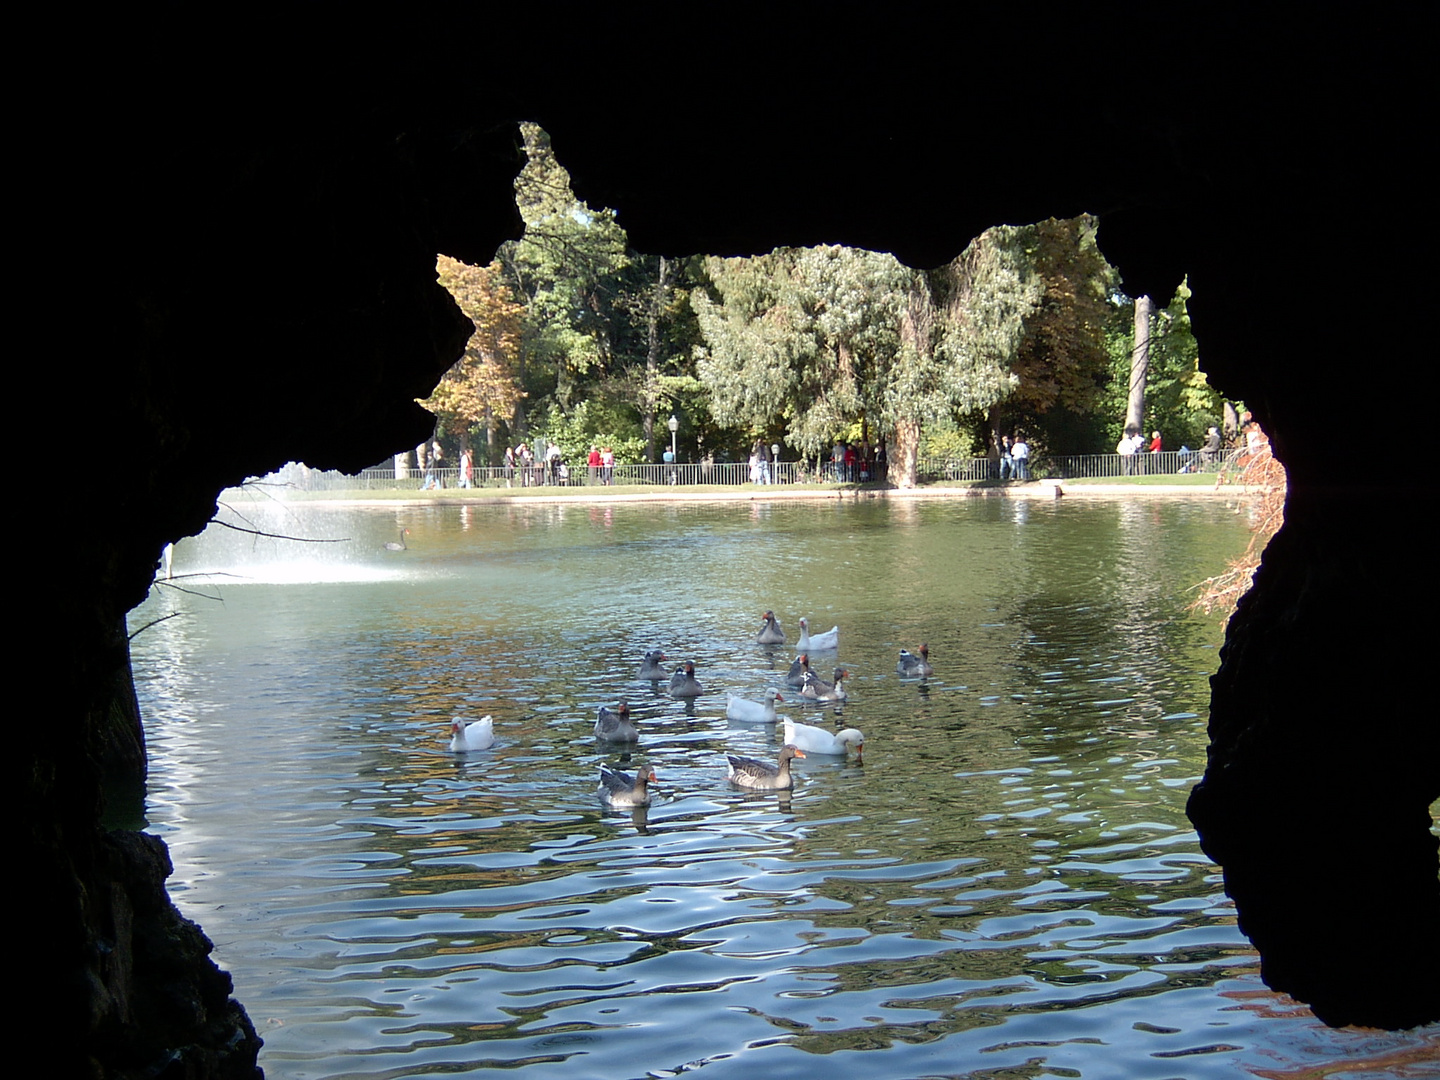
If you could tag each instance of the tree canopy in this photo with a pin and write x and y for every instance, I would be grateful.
(484, 383)
(581, 340)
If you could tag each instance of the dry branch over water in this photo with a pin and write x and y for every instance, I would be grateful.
(1262, 479)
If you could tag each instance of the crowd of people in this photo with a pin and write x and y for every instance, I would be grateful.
(846, 462)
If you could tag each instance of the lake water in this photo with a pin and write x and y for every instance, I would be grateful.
(1006, 887)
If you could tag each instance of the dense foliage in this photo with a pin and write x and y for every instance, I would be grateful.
(581, 341)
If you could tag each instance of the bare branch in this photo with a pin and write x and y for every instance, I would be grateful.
(154, 622)
(281, 536)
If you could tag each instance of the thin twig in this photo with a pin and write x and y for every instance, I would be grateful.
(281, 536)
(153, 622)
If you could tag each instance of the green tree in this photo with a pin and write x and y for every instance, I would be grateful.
(792, 337)
(1063, 359)
(1180, 403)
(815, 339)
(564, 269)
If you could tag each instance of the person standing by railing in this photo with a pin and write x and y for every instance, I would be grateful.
(1211, 450)
(607, 465)
(1127, 448)
(1007, 460)
(1020, 455)
(592, 465)
(1152, 464)
(525, 461)
(467, 466)
(552, 459)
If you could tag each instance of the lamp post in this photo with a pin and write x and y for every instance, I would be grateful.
(775, 463)
(674, 425)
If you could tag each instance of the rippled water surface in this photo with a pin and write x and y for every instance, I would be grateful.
(1006, 887)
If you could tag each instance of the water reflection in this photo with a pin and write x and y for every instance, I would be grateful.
(1008, 884)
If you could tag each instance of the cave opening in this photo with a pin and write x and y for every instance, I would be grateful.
(1251, 159)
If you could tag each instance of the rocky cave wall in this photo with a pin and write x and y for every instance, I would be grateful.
(266, 200)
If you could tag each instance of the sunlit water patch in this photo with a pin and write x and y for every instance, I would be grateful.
(1006, 886)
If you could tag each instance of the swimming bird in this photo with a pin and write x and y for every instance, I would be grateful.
(761, 775)
(809, 642)
(795, 677)
(398, 545)
(479, 735)
(915, 665)
(770, 632)
(621, 789)
(753, 712)
(614, 725)
(817, 689)
(683, 683)
(816, 740)
(650, 667)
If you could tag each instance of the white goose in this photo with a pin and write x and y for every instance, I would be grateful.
(816, 740)
(621, 789)
(479, 735)
(753, 712)
(810, 643)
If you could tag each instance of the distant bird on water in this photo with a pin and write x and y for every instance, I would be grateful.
(817, 689)
(398, 545)
(809, 642)
(770, 632)
(650, 668)
(816, 740)
(613, 725)
(621, 789)
(761, 775)
(479, 735)
(753, 712)
(915, 665)
(683, 683)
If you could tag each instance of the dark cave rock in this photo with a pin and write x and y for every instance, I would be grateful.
(267, 197)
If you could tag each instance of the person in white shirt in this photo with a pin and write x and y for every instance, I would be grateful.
(1020, 458)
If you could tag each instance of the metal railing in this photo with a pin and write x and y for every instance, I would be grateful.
(1158, 463)
(738, 474)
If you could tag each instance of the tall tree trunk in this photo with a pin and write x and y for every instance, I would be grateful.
(993, 418)
(1139, 364)
(652, 357)
(904, 459)
(489, 437)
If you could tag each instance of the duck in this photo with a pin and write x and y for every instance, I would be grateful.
(761, 775)
(479, 735)
(398, 545)
(816, 740)
(614, 725)
(753, 712)
(650, 667)
(809, 642)
(683, 683)
(817, 689)
(621, 789)
(915, 665)
(795, 677)
(770, 632)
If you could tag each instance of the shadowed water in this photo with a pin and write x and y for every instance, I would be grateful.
(1007, 886)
